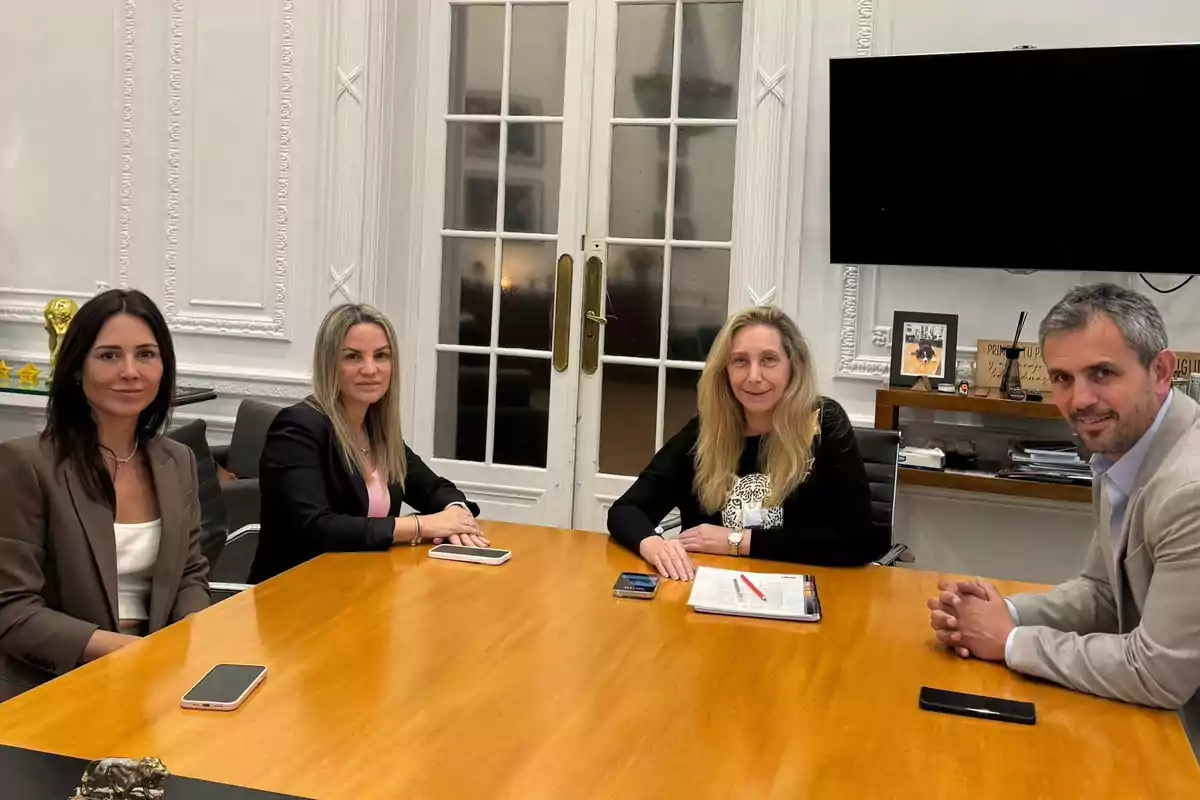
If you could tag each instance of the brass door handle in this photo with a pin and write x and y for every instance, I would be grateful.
(561, 352)
(593, 314)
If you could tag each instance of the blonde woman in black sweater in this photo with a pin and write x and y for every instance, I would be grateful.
(769, 469)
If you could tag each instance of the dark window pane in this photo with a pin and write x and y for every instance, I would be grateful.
(628, 418)
(460, 421)
(522, 411)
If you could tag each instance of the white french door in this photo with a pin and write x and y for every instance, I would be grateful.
(582, 156)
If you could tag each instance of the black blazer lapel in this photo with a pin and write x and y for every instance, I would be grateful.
(96, 519)
(350, 478)
(167, 567)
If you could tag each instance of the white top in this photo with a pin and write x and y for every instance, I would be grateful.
(137, 550)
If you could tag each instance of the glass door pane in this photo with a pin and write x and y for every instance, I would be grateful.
(660, 209)
(504, 145)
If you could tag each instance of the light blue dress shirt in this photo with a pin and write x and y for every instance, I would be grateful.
(1116, 478)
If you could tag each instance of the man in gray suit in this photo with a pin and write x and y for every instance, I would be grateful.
(1129, 627)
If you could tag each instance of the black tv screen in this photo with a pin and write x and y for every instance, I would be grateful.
(1083, 159)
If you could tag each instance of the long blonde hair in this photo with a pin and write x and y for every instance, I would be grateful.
(787, 451)
(383, 417)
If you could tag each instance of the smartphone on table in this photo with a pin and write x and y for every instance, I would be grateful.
(225, 687)
(474, 555)
(974, 705)
(638, 585)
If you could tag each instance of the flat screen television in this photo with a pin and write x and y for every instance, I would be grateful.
(1082, 159)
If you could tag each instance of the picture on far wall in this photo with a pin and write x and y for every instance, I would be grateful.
(923, 346)
(524, 138)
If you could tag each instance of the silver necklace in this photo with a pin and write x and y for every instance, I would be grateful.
(120, 462)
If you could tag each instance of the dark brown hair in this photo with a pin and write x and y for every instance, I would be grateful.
(70, 425)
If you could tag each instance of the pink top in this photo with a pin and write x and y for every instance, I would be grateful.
(379, 502)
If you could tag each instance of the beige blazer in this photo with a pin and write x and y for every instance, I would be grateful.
(1142, 611)
(58, 559)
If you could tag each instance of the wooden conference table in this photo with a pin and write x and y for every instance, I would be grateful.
(393, 675)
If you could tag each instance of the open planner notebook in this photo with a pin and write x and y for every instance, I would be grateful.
(722, 591)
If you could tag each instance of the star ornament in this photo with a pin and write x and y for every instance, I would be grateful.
(29, 375)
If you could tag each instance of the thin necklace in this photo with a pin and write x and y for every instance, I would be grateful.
(120, 462)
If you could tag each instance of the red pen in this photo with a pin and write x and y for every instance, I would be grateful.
(754, 588)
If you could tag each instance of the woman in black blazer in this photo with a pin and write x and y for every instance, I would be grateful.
(335, 469)
(769, 469)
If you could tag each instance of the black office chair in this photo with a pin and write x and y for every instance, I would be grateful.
(880, 451)
(241, 457)
(229, 575)
(214, 522)
(237, 557)
(223, 591)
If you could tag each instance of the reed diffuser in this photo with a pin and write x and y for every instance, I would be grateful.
(1010, 383)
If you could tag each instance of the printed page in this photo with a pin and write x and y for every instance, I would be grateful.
(723, 590)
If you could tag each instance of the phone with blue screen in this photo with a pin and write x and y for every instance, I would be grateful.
(637, 585)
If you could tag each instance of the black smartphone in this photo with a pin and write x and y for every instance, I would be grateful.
(974, 705)
(636, 584)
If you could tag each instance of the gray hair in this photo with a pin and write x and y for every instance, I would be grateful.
(1134, 315)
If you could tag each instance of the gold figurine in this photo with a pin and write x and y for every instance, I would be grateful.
(59, 313)
(5, 372)
(29, 376)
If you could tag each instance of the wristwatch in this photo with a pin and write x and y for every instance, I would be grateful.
(735, 542)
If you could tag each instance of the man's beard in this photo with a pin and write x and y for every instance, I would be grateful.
(1120, 438)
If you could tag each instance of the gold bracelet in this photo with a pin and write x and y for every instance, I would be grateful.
(416, 539)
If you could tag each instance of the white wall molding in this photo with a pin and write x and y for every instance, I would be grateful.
(125, 166)
(864, 27)
(345, 169)
(409, 252)
(176, 253)
(492, 493)
(27, 304)
(760, 198)
(384, 20)
(338, 284)
(851, 363)
(238, 381)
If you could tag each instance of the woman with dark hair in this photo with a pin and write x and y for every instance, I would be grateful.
(102, 534)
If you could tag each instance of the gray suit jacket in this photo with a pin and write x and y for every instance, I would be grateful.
(1132, 632)
(58, 559)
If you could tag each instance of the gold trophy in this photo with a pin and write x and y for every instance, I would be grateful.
(59, 313)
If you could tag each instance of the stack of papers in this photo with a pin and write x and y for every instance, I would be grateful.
(723, 591)
(1058, 462)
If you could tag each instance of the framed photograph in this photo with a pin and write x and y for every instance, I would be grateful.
(524, 138)
(923, 346)
(522, 205)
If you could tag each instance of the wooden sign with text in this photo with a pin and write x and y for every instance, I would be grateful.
(1187, 363)
(989, 365)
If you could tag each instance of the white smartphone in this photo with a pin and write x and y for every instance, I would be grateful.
(225, 687)
(475, 555)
